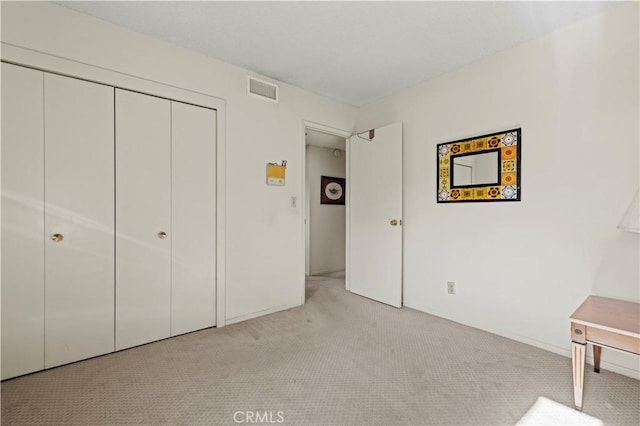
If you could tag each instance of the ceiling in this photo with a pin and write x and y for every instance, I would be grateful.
(324, 140)
(354, 52)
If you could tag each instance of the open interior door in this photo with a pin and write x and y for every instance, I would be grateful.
(374, 268)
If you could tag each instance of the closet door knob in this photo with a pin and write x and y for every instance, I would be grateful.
(162, 235)
(57, 237)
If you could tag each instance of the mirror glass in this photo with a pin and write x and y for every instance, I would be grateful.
(475, 169)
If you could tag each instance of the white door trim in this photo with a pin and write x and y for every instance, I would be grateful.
(307, 124)
(43, 61)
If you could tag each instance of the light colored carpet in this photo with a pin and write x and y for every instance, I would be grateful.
(336, 274)
(340, 359)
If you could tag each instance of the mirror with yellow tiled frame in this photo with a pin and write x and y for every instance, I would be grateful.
(481, 168)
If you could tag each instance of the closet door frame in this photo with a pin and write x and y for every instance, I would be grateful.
(58, 65)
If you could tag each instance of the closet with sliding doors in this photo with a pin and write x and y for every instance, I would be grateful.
(108, 219)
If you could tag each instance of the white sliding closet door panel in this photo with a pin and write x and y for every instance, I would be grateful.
(22, 221)
(79, 268)
(143, 214)
(193, 285)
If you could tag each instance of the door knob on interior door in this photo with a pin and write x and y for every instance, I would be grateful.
(162, 235)
(394, 222)
(56, 238)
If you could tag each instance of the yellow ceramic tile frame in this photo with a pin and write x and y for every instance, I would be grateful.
(506, 144)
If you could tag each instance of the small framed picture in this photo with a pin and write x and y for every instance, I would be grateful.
(332, 190)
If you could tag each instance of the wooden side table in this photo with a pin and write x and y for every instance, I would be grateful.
(602, 322)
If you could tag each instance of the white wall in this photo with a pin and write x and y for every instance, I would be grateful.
(522, 268)
(264, 254)
(326, 221)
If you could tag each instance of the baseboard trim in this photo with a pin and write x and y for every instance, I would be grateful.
(316, 273)
(616, 368)
(252, 315)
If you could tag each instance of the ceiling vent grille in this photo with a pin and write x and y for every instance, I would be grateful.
(263, 89)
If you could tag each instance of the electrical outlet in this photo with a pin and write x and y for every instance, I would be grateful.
(451, 287)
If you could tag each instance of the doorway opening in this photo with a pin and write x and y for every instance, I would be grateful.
(372, 212)
(326, 202)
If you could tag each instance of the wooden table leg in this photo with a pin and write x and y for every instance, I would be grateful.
(577, 356)
(597, 350)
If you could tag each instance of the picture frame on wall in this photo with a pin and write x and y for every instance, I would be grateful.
(332, 190)
(480, 169)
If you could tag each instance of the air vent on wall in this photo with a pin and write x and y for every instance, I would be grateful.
(263, 89)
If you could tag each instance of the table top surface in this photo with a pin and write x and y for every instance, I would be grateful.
(610, 313)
